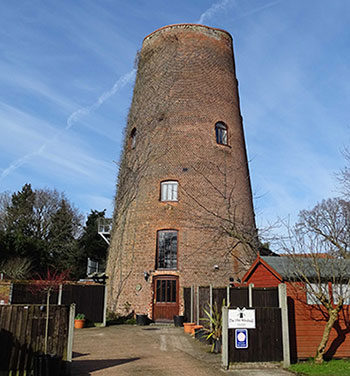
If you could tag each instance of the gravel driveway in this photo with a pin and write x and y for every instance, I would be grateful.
(149, 350)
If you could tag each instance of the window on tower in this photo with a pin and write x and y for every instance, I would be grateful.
(221, 133)
(168, 190)
(132, 141)
(167, 249)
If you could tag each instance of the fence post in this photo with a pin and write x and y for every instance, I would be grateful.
(211, 304)
(197, 305)
(224, 353)
(228, 295)
(250, 294)
(105, 307)
(192, 303)
(70, 336)
(59, 297)
(11, 292)
(282, 297)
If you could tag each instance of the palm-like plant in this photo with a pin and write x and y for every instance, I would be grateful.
(214, 317)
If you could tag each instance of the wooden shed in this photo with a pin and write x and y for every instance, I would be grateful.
(307, 319)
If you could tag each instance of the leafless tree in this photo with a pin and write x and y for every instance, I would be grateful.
(221, 212)
(318, 247)
(5, 201)
(344, 175)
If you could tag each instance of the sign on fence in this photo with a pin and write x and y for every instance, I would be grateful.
(240, 318)
(241, 338)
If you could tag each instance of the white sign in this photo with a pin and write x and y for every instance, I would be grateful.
(241, 318)
(241, 338)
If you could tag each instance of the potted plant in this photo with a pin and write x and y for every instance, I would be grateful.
(79, 321)
(214, 333)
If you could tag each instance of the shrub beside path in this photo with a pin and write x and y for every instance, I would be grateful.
(148, 350)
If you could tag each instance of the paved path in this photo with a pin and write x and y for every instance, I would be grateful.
(153, 350)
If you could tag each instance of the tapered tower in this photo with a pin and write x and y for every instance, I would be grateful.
(183, 210)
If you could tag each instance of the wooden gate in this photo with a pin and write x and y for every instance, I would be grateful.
(264, 342)
(166, 298)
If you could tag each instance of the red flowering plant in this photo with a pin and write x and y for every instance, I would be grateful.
(47, 284)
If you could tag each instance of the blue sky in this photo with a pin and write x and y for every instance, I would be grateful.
(67, 73)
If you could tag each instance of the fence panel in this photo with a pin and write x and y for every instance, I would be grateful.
(89, 299)
(219, 296)
(204, 301)
(265, 297)
(22, 335)
(187, 304)
(264, 342)
(239, 297)
(25, 293)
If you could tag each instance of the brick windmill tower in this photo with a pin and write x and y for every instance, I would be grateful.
(183, 209)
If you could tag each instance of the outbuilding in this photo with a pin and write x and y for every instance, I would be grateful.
(307, 317)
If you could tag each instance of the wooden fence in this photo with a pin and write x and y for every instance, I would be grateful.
(269, 341)
(22, 336)
(89, 299)
(201, 298)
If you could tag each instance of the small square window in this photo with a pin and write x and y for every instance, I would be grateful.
(341, 289)
(169, 191)
(313, 289)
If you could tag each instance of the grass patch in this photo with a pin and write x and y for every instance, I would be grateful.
(331, 368)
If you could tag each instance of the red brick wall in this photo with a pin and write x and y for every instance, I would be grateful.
(185, 84)
(5, 291)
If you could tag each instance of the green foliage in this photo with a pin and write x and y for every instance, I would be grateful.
(114, 318)
(214, 318)
(16, 268)
(131, 321)
(91, 244)
(43, 227)
(331, 368)
(80, 316)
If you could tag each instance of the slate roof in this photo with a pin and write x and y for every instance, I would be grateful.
(290, 267)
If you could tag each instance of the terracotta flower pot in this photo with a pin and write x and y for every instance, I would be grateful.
(188, 327)
(194, 327)
(78, 324)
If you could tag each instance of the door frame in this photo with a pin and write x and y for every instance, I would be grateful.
(165, 277)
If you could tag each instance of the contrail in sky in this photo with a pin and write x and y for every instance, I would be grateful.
(210, 12)
(73, 118)
(223, 4)
(76, 115)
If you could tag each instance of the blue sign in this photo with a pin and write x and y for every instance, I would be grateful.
(241, 338)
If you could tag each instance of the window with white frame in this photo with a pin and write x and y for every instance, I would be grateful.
(313, 289)
(341, 289)
(168, 190)
(221, 133)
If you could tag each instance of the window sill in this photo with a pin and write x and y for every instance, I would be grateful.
(224, 145)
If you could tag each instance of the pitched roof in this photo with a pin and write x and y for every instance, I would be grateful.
(290, 268)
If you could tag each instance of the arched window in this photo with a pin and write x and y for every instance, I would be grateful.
(167, 249)
(133, 139)
(221, 133)
(168, 190)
